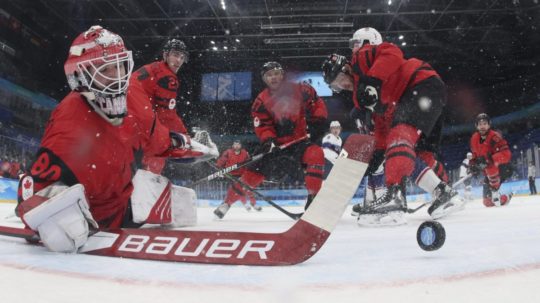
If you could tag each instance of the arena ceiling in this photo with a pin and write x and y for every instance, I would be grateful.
(490, 48)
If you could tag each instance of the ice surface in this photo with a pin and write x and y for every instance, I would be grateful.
(490, 255)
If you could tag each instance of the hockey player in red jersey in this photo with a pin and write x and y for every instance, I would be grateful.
(406, 97)
(491, 156)
(83, 170)
(160, 83)
(236, 154)
(281, 113)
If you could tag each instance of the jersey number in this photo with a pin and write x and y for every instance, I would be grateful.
(44, 169)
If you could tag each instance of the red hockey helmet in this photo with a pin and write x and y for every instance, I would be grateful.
(99, 65)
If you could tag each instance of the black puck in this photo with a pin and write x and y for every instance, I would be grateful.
(430, 235)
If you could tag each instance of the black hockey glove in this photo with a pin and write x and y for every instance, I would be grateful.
(317, 129)
(362, 119)
(376, 160)
(473, 169)
(266, 147)
(477, 165)
(368, 92)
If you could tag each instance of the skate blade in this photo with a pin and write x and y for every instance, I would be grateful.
(448, 209)
(393, 218)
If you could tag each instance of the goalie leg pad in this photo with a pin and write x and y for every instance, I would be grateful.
(151, 198)
(184, 207)
(61, 220)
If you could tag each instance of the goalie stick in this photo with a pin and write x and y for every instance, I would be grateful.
(293, 246)
(258, 194)
(253, 159)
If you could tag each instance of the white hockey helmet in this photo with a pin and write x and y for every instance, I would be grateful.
(335, 124)
(469, 155)
(365, 35)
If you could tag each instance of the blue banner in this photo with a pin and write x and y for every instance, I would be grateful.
(8, 190)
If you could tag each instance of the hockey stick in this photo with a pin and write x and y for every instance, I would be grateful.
(253, 159)
(258, 194)
(456, 184)
(293, 246)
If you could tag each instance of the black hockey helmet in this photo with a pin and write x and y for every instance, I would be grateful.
(482, 116)
(176, 45)
(270, 66)
(332, 66)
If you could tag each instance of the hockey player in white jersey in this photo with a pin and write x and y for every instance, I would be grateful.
(331, 143)
(462, 173)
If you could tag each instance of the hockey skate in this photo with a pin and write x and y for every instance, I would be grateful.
(256, 207)
(371, 193)
(496, 199)
(247, 207)
(221, 210)
(468, 193)
(388, 210)
(447, 201)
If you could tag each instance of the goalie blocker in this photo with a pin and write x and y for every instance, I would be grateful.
(296, 245)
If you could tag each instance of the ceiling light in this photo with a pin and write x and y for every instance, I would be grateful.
(305, 40)
(214, 48)
(403, 43)
(237, 40)
(306, 25)
(212, 41)
(400, 37)
(225, 48)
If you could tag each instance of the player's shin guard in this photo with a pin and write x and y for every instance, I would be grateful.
(492, 173)
(375, 186)
(424, 176)
(436, 166)
(313, 160)
(400, 154)
(236, 192)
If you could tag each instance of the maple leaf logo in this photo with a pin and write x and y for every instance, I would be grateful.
(27, 184)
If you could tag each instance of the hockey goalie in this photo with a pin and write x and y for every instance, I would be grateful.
(82, 177)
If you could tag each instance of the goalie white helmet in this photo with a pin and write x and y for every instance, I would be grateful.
(99, 66)
(365, 35)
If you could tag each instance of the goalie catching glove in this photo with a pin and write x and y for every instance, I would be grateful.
(60, 214)
(187, 150)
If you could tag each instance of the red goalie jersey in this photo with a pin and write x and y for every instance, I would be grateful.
(79, 146)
